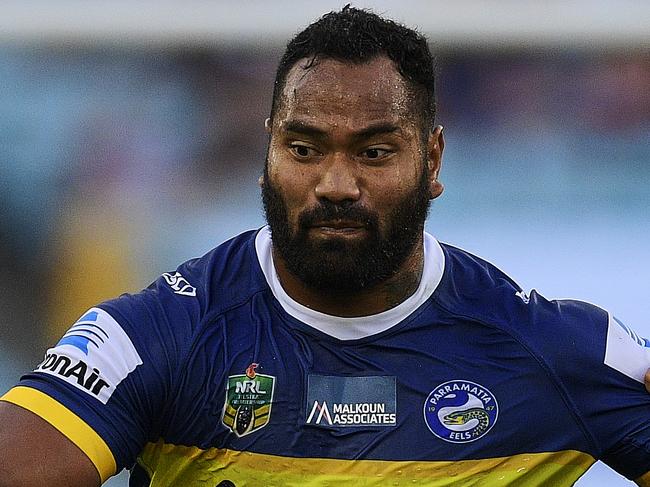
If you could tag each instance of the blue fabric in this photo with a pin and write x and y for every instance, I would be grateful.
(539, 362)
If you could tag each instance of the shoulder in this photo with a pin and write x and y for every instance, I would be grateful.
(474, 288)
(198, 289)
(119, 368)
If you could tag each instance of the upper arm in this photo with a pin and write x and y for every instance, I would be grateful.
(600, 364)
(103, 390)
(33, 452)
(101, 393)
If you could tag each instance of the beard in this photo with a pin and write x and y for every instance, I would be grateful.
(335, 266)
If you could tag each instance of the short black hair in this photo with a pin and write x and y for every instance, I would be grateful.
(357, 36)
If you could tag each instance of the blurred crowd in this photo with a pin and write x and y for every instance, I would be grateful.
(116, 166)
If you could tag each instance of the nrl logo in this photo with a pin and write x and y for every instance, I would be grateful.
(249, 398)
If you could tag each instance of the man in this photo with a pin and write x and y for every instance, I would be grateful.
(341, 345)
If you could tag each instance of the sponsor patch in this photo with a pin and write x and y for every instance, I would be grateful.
(351, 401)
(626, 351)
(460, 411)
(179, 284)
(249, 398)
(94, 355)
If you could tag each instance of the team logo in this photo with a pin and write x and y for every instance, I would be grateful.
(460, 411)
(249, 398)
(179, 284)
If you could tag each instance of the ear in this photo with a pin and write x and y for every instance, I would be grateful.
(267, 125)
(435, 147)
(260, 181)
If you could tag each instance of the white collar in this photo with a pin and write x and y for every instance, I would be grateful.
(362, 326)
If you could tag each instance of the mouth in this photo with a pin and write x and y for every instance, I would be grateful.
(339, 227)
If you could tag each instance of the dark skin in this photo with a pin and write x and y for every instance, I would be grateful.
(346, 103)
(343, 161)
(33, 453)
(350, 132)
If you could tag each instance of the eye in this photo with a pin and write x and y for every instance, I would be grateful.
(302, 151)
(374, 153)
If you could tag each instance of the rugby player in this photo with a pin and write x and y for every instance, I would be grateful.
(341, 344)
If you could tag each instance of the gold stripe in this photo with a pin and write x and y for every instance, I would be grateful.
(68, 423)
(180, 465)
(263, 410)
(260, 421)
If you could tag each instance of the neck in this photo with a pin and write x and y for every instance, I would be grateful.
(381, 297)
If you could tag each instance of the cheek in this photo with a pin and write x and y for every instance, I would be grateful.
(391, 187)
(293, 185)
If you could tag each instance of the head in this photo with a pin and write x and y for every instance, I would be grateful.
(356, 36)
(353, 156)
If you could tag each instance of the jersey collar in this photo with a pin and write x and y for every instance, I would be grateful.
(362, 326)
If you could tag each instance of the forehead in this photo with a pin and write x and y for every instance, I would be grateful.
(342, 92)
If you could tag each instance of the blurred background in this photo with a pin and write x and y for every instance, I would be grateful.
(131, 139)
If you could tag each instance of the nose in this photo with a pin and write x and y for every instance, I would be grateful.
(338, 181)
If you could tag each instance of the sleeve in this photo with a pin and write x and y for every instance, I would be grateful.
(600, 364)
(105, 385)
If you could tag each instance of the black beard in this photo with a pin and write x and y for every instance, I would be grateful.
(337, 266)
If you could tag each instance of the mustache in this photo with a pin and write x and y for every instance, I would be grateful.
(326, 211)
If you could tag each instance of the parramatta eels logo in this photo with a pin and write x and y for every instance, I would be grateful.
(460, 411)
(249, 398)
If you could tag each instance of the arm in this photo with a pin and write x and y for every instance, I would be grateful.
(34, 453)
(89, 408)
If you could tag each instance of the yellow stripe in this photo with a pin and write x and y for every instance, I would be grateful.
(189, 466)
(263, 410)
(260, 421)
(68, 423)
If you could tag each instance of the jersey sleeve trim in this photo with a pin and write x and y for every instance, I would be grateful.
(68, 423)
(625, 351)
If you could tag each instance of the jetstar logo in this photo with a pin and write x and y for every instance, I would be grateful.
(95, 355)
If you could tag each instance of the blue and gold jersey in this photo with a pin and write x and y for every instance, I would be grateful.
(214, 376)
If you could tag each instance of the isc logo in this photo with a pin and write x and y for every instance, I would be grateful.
(248, 386)
(179, 284)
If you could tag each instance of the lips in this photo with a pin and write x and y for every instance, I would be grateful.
(339, 228)
(339, 224)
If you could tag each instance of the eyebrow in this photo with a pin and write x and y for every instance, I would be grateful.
(304, 128)
(376, 129)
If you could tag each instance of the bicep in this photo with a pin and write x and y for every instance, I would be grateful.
(36, 453)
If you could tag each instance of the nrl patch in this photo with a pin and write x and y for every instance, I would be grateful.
(249, 398)
(460, 411)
